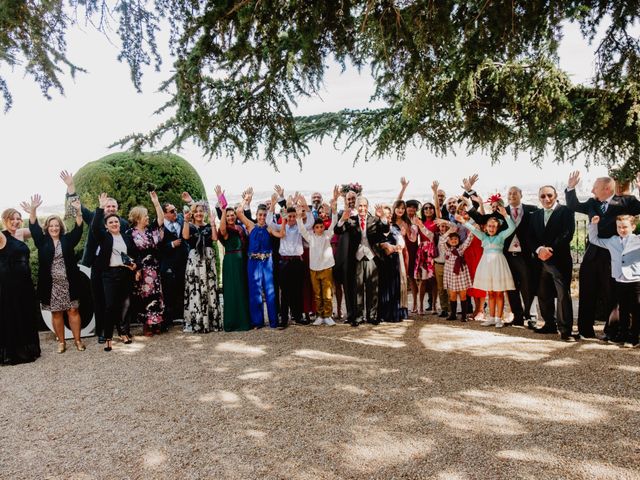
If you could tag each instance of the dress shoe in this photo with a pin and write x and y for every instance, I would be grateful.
(516, 322)
(283, 325)
(545, 330)
(354, 323)
(443, 314)
(302, 321)
(374, 321)
(588, 334)
(567, 337)
(531, 324)
(101, 339)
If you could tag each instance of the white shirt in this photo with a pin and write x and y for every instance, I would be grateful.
(118, 247)
(173, 227)
(291, 244)
(320, 251)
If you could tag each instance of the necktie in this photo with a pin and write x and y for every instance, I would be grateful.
(603, 207)
(515, 213)
(547, 214)
(362, 224)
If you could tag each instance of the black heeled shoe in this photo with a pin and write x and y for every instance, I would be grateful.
(107, 347)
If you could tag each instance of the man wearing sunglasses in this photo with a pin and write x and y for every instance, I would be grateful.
(550, 235)
(174, 252)
(595, 281)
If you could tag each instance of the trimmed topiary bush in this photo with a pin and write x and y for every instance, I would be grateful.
(126, 176)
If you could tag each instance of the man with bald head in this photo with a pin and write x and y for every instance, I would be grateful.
(595, 281)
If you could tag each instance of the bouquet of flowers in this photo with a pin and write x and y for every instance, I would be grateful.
(348, 187)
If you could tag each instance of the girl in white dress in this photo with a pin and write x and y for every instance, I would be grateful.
(493, 274)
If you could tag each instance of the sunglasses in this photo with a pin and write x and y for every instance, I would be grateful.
(173, 210)
(546, 195)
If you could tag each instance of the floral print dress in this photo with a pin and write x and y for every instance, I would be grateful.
(201, 305)
(147, 291)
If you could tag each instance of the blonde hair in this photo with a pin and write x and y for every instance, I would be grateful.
(194, 208)
(627, 218)
(137, 214)
(48, 221)
(7, 214)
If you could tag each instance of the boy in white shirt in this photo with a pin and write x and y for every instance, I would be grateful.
(321, 263)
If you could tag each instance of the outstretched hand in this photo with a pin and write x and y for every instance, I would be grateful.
(154, 197)
(103, 199)
(404, 182)
(279, 190)
(32, 206)
(574, 179)
(435, 186)
(66, 177)
(219, 191)
(186, 197)
(379, 210)
(503, 211)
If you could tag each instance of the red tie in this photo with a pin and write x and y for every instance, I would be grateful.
(362, 223)
(515, 213)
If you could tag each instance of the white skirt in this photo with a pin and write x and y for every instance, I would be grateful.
(493, 273)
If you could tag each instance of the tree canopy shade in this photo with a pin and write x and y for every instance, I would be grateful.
(479, 73)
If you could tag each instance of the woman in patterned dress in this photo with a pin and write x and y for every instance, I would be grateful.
(147, 289)
(19, 312)
(201, 306)
(58, 272)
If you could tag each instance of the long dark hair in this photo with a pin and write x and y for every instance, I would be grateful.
(423, 217)
(405, 217)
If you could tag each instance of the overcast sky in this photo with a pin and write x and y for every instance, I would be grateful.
(40, 137)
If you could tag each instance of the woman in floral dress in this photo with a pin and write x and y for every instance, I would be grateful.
(201, 305)
(147, 290)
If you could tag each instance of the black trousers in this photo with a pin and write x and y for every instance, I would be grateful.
(596, 285)
(97, 292)
(555, 283)
(291, 272)
(117, 283)
(628, 297)
(522, 271)
(173, 292)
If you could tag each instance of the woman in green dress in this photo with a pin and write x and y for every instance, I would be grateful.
(234, 274)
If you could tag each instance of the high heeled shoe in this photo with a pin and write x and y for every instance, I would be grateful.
(62, 347)
(79, 345)
(107, 347)
(126, 339)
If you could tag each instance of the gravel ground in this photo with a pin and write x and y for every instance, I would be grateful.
(422, 399)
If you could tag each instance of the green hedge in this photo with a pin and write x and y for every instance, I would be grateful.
(125, 175)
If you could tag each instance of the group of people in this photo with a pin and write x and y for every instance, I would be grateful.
(296, 257)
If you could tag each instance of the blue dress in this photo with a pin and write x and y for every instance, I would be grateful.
(260, 273)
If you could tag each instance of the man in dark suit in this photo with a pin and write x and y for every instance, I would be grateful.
(595, 281)
(364, 232)
(340, 275)
(519, 257)
(550, 235)
(173, 263)
(91, 251)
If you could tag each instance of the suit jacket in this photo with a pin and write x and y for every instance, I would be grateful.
(173, 258)
(625, 261)
(91, 245)
(376, 231)
(557, 234)
(105, 242)
(619, 205)
(46, 252)
(522, 229)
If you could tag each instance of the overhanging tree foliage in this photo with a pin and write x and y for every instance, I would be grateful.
(483, 73)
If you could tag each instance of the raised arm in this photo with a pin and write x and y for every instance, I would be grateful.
(511, 225)
(34, 227)
(570, 196)
(301, 226)
(403, 187)
(593, 234)
(243, 218)
(97, 224)
(158, 207)
(436, 201)
(186, 231)
(476, 231)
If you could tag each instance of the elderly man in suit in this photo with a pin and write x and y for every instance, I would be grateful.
(173, 263)
(550, 235)
(364, 232)
(595, 280)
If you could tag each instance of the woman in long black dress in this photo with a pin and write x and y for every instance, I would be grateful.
(58, 272)
(19, 341)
